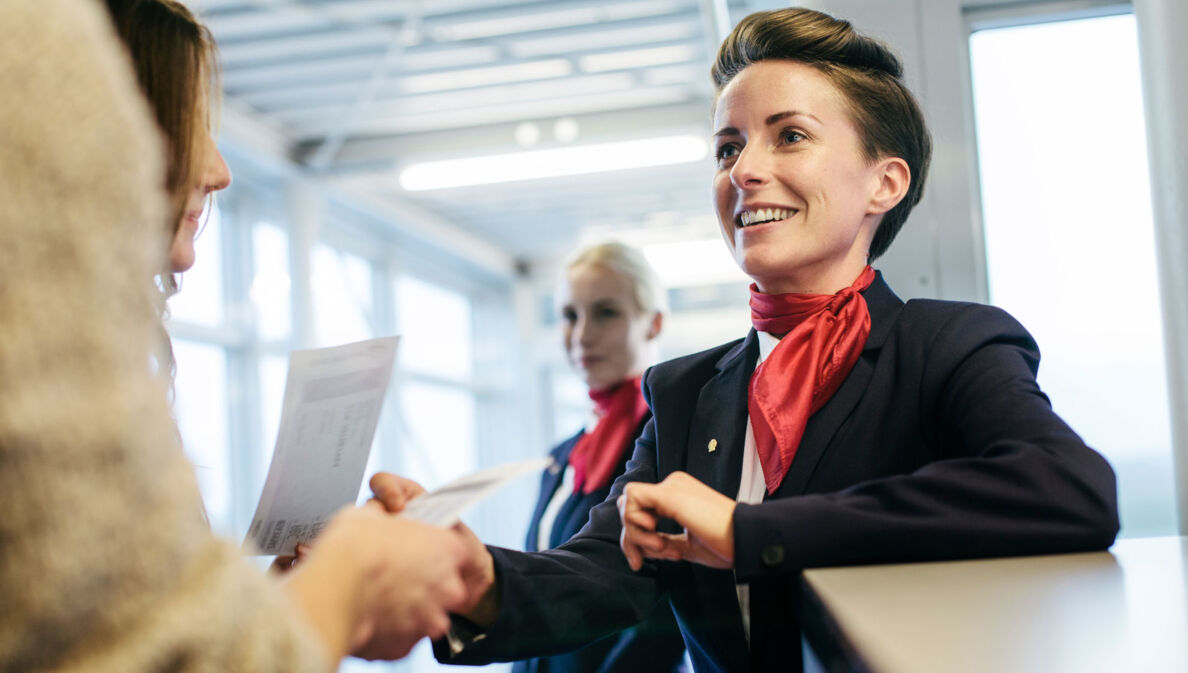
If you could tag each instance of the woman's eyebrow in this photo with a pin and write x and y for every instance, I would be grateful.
(781, 116)
(771, 119)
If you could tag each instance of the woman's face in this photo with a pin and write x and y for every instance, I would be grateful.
(795, 197)
(605, 333)
(213, 176)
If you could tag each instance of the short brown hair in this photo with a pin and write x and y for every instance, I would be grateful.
(864, 70)
(174, 58)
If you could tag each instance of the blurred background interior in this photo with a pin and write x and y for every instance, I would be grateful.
(423, 168)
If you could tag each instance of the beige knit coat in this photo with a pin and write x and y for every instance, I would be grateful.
(105, 561)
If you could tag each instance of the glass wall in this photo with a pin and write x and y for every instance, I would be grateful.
(237, 317)
(1070, 238)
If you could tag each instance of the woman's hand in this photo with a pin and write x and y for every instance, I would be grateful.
(393, 491)
(286, 562)
(706, 515)
(376, 584)
(481, 605)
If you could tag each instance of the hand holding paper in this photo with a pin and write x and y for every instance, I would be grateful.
(333, 399)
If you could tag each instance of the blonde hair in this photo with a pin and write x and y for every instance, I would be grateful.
(650, 295)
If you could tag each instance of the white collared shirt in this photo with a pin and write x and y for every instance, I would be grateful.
(752, 487)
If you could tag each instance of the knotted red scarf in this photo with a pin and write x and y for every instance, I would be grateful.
(823, 337)
(597, 453)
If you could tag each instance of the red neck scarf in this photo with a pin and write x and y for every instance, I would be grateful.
(597, 453)
(823, 337)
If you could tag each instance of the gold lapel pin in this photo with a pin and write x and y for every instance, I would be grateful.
(713, 445)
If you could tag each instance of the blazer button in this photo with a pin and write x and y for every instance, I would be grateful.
(773, 555)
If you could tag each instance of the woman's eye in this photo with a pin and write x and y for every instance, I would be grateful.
(607, 313)
(793, 137)
(726, 151)
(568, 316)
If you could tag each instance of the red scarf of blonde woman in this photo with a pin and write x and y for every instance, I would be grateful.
(823, 337)
(597, 453)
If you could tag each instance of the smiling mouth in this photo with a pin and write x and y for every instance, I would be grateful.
(751, 217)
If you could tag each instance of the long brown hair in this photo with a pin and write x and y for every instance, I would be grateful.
(175, 61)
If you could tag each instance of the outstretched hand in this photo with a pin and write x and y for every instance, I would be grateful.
(481, 604)
(394, 491)
(706, 515)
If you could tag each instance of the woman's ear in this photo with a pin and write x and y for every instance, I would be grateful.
(894, 177)
(657, 323)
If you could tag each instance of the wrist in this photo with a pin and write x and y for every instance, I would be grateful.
(486, 609)
(329, 587)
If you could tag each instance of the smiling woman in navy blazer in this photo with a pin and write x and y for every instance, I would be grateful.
(848, 427)
(611, 306)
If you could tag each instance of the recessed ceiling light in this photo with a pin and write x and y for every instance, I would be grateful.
(527, 134)
(566, 129)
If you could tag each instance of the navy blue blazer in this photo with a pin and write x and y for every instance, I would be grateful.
(938, 445)
(653, 646)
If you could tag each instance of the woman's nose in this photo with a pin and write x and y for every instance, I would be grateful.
(750, 169)
(585, 332)
(216, 176)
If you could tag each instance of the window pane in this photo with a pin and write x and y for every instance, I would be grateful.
(201, 298)
(270, 286)
(1070, 239)
(273, 369)
(201, 409)
(438, 433)
(435, 328)
(342, 297)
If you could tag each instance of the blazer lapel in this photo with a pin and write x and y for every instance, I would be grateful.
(714, 453)
(884, 308)
(549, 482)
(718, 427)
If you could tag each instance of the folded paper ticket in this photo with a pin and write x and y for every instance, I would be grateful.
(442, 507)
(333, 399)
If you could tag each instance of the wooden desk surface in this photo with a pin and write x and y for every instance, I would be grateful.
(1116, 612)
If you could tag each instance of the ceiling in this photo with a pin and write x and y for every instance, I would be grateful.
(356, 90)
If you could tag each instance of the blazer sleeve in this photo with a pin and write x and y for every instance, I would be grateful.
(1011, 477)
(555, 601)
(655, 646)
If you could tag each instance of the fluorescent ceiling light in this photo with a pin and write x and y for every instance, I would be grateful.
(473, 77)
(553, 162)
(637, 58)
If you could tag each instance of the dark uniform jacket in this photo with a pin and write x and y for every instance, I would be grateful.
(939, 445)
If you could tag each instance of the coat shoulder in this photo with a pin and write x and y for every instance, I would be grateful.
(927, 319)
(681, 371)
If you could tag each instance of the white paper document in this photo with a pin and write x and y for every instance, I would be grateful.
(445, 505)
(333, 400)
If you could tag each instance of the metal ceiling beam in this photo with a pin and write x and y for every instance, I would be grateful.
(716, 15)
(321, 158)
(494, 138)
(383, 123)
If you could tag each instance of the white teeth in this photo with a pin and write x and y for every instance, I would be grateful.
(749, 217)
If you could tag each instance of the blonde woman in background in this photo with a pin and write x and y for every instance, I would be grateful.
(106, 563)
(611, 308)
